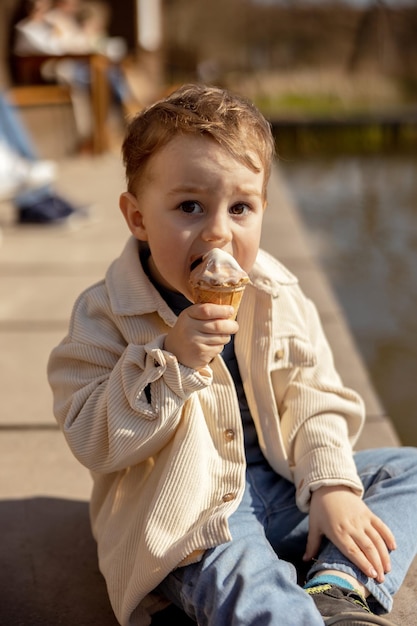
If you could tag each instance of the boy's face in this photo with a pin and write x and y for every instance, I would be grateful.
(192, 197)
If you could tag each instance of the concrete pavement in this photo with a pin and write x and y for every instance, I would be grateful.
(49, 574)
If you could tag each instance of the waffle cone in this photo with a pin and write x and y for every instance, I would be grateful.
(220, 295)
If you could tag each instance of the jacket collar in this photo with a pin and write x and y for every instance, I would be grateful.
(270, 275)
(129, 288)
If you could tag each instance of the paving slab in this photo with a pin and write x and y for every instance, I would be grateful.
(23, 358)
(36, 462)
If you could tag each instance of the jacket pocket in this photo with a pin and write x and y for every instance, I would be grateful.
(291, 352)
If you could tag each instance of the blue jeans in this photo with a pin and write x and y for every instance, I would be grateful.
(81, 78)
(14, 133)
(252, 580)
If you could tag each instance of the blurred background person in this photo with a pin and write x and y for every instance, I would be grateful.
(25, 179)
(33, 32)
(74, 27)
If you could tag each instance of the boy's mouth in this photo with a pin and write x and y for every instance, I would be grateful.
(195, 263)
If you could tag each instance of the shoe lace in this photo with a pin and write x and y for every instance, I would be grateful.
(358, 599)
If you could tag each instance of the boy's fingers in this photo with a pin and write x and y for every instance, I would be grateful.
(385, 533)
(382, 549)
(211, 311)
(360, 558)
(216, 340)
(375, 563)
(364, 552)
(313, 545)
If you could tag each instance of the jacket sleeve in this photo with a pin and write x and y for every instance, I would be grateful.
(118, 402)
(320, 418)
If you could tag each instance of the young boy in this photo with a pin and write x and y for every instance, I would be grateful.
(221, 450)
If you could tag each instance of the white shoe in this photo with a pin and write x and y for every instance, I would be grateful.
(18, 174)
(8, 188)
(39, 173)
(9, 178)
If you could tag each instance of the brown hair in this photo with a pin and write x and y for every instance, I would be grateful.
(231, 120)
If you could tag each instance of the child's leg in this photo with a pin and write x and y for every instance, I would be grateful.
(389, 476)
(243, 581)
(14, 132)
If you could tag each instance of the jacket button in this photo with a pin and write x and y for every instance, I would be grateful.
(279, 354)
(228, 497)
(229, 434)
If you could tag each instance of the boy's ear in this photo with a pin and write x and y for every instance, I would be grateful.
(129, 207)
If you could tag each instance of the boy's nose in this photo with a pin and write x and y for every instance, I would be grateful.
(217, 229)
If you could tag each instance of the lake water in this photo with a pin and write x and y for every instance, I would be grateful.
(361, 215)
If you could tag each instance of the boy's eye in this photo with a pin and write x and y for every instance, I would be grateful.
(190, 206)
(239, 209)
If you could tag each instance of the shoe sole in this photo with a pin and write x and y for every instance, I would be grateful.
(353, 619)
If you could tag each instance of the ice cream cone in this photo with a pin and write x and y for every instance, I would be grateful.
(218, 278)
(231, 295)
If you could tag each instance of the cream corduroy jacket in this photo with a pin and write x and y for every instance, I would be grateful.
(164, 443)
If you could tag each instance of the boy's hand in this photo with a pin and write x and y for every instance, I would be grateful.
(200, 333)
(341, 516)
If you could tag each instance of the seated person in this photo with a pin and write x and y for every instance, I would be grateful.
(73, 27)
(24, 178)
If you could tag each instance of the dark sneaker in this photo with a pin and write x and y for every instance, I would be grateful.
(342, 607)
(54, 210)
(48, 210)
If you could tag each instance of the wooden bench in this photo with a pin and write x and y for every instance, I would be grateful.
(39, 95)
(47, 114)
(28, 90)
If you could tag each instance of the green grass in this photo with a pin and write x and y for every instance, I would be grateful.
(335, 141)
(320, 104)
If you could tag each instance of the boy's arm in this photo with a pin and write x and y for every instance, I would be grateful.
(117, 404)
(323, 414)
(320, 419)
